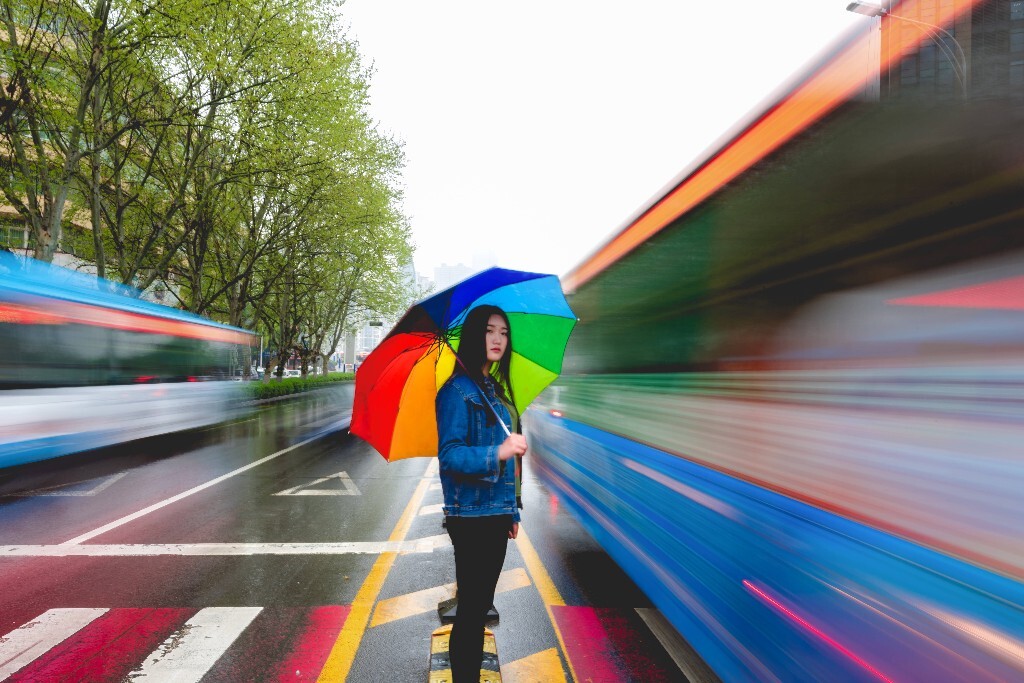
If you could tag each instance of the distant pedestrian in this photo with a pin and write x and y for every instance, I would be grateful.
(478, 475)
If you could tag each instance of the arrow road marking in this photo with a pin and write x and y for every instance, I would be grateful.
(56, 490)
(305, 490)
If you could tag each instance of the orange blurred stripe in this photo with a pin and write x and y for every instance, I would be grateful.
(831, 86)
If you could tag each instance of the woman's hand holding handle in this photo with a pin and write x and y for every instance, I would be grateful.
(514, 444)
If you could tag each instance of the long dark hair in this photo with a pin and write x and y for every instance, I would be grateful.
(473, 349)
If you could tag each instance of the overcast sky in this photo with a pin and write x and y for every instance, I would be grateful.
(533, 130)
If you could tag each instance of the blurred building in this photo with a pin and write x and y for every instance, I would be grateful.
(979, 55)
(424, 283)
(445, 275)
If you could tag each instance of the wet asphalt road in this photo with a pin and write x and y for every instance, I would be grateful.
(298, 553)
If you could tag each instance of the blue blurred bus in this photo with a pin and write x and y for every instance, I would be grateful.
(85, 363)
(793, 408)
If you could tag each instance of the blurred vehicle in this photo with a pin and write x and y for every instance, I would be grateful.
(87, 364)
(791, 410)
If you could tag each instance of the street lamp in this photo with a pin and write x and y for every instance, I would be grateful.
(959, 65)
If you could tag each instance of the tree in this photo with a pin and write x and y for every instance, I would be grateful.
(58, 54)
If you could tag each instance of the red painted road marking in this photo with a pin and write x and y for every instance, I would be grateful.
(35, 638)
(108, 648)
(187, 654)
(311, 649)
(282, 644)
(586, 645)
(626, 631)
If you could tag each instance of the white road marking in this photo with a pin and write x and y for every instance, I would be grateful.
(423, 545)
(56, 490)
(683, 655)
(192, 650)
(432, 509)
(22, 646)
(185, 494)
(429, 544)
(305, 490)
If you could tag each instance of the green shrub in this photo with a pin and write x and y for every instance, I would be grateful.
(294, 385)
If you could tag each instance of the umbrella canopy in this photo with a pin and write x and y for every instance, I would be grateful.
(397, 383)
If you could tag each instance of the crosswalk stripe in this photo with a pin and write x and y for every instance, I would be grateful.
(108, 647)
(431, 509)
(188, 653)
(23, 645)
(428, 544)
(426, 600)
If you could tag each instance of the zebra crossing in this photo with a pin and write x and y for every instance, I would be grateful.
(171, 644)
(231, 644)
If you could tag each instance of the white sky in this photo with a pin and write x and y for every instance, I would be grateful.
(533, 130)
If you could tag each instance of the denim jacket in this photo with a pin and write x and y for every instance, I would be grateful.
(475, 483)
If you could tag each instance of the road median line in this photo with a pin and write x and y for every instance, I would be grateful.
(339, 661)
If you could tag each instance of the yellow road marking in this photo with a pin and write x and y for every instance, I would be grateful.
(343, 653)
(546, 587)
(426, 600)
(544, 666)
(431, 471)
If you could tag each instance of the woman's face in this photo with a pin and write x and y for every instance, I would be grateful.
(496, 337)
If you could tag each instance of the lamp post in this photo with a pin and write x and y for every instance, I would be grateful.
(958, 60)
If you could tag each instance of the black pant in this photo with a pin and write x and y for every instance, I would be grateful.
(480, 544)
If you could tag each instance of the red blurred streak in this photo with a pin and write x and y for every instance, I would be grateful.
(66, 312)
(553, 506)
(1006, 294)
(832, 85)
(23, 315)
(814, 630)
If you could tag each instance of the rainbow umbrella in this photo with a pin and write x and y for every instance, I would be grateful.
(397, 383)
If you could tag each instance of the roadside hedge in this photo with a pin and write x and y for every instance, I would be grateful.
(294, 385)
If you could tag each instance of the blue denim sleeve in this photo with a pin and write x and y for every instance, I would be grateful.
(453, 451)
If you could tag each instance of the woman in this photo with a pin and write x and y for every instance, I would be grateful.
(478, 475)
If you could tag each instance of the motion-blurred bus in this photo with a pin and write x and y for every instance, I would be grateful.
(793, 409)
(85, 363)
